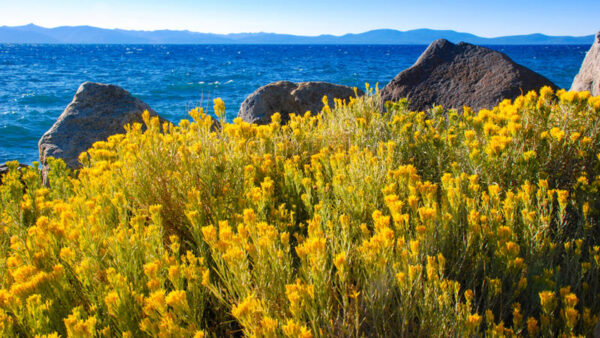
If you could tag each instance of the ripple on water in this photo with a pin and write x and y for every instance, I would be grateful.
(39, 99)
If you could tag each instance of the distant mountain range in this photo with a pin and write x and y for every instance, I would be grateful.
(88, 35)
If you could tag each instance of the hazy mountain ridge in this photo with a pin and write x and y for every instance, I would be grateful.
(88, 35)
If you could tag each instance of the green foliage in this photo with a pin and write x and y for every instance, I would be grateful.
(349, 223)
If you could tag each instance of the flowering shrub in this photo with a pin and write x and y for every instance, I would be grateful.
(350, 222)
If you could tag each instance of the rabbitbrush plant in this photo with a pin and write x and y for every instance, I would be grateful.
(352, 222)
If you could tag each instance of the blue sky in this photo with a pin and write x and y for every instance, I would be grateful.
(313, 17)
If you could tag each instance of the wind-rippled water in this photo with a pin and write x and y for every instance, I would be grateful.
(38, 81)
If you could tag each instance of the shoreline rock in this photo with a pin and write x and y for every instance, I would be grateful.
(96, 112)
(588, 77)
(462, 75)
(287, 97)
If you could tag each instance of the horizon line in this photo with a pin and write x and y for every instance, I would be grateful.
(302, 35)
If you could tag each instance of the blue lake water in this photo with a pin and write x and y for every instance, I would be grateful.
(38, 81)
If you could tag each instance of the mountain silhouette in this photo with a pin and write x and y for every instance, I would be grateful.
(94, 35)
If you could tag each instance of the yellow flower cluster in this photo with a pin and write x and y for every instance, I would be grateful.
(351, 222)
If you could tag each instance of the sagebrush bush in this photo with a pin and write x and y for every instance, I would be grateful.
(349, 223)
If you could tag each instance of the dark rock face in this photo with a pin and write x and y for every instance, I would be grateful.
(462, 75)
(588, 77)
(96, 112)
(286, 97)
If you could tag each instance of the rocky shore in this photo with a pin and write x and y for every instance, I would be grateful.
(447, 74)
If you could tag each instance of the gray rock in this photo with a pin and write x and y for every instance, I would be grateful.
(286, 97)
(96, 112)
(588, 77)
(462, 75)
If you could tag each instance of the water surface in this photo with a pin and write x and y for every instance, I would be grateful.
(38, 81)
